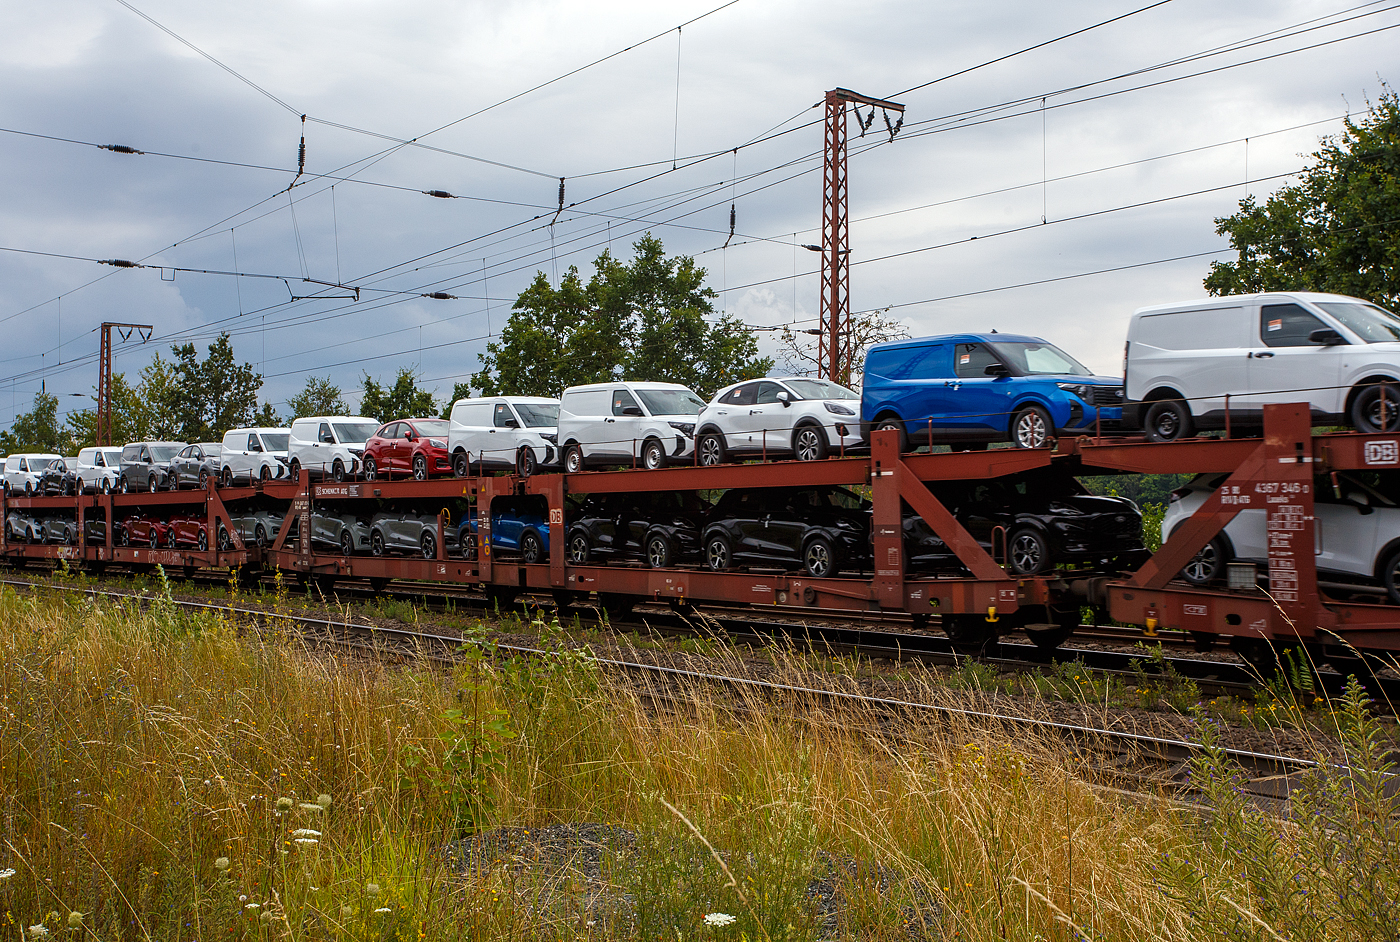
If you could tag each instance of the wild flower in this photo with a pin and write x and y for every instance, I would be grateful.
(39, 931)
(7, 873)
(221, 863)
(309, 806)
(75, 920)
(284, 804)
(306, 840)
(252, 906)
(719, 920)
(371, 889)
(383, 909)
(305, 832)
(324, 801)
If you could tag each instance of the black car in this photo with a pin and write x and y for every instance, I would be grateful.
(194, 465)
(662, 527)
(821, 529)
(1031, 521)
(59, 477)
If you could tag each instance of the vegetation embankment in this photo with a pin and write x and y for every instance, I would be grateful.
(165, 777)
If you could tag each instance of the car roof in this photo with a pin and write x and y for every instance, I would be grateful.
(958, 338)
(1233, 299)
(631, 384)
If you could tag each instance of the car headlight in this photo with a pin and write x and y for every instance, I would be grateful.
(437, 443)
(1079, 389)
(685, 428)
(551, 437)
(837, 409)
(357, 452)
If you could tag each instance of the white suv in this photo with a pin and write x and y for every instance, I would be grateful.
(22, 471)
(503, 433)
(627, 423)
(805, 418)
(100, 469)
(255, 454)
(328, 445)
(1357, 530)
(1187, 365)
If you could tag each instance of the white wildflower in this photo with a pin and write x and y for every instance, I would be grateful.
(75, 920)
(371, 889)
(347, 911)
(718, 920)
(324, 801)
(305, 832)
(253, 906)
(285, 804)
(306, 840)
(309, 806)
(7, 873)
(39, 931)
(266, 917)
(383, 909)
(221, 863)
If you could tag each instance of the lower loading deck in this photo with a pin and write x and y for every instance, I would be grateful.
(1274, 474)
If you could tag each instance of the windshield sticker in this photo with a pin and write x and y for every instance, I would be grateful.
(966, 358)
(1276, 324)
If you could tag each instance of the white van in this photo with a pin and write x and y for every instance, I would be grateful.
(1186, 364)
(503, 433)
(646, 424)
(22, 471)
(328, 445)
(255, 454)
(100, 469)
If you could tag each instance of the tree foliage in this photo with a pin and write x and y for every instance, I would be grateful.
(37, 430)
(318, 397)
(214, 394)
(647, 320)
(459, 391)
(801, 355)
(402, 400)
(1335, 230)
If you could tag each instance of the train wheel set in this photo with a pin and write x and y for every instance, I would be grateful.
(1259, 614)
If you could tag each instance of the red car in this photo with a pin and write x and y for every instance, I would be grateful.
(416, 447)
(188, 530)
(140, 529)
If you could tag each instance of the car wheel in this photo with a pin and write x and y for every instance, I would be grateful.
(29, 535)
(573, 459)
(338, 471)
(203, 542)
(121, 536)
(376, 543)
(711, 449)
(420, 468)
(265, 474)
(1032, 428)
(371, 469)
(525, 462)
(296, 471)
(106, 485)
(461, 465)
(659, 551)
(347, 543)
(155, 538)
(429, 545)
(579, 550)
(531, 549)
(653, 455)
(1376, 409)
(123, 485)
(151, 484)
(809, 443)
(891, 424)
(224, 541)
(170, 538)
(469, 553)
(259, 536)
(819, 558)
(226, 477)
(1027, 552)
(1390, 576)
(1169, 420)
(203, 479)
(28, 488)
(718, 554)
(1208, 565)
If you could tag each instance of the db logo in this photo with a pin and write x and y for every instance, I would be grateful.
(556, 515)
(1194, 609)
(1382, 453)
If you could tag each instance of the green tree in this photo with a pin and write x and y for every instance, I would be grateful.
(131, 416)
(1336, 230)
(403, 400)
(459, 391)
(160, 393)
(319, 397)
(651, 319)
(267, 417)
(38, 430)
(214, 394)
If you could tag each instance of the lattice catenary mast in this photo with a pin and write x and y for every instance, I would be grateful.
(104, 375)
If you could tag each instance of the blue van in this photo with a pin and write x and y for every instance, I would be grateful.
(978, 388)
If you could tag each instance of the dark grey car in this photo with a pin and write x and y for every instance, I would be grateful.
(146, 465)
(345, 531)
(395, 531)
(194, 465)
(256, 528)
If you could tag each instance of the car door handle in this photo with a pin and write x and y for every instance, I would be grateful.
(610, 420)
(1261, 356)
(755, 412)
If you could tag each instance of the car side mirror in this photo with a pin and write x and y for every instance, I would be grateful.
(632, 410)
(783, 397)
(996, 369)
(512, 423)
(1326, 336)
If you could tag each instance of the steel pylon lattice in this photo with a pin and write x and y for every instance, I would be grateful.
(104, 376)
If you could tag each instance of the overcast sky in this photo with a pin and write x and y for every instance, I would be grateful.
(962, 171)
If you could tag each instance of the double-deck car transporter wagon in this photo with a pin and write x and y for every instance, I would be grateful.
(1257, 613)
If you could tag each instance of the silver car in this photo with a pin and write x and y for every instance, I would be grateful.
(345, 531)
(21, 527)
(59, 530)
(394, 531)
(255, 528)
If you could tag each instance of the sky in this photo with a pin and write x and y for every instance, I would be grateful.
(1048, 190)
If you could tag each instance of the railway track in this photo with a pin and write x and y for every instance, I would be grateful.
(1133, 761)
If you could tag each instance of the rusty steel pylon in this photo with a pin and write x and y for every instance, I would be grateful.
(835, 352)
(104, 376)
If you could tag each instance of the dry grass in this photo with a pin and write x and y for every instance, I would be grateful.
(159, 769)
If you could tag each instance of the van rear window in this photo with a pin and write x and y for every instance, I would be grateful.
(932, 361)
(1216, 328)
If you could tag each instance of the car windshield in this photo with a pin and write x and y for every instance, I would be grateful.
(275, 441)
(1039, 359)
(113, 458)
(820, 389)
(671, 401)
(538, 415)
(164, 452)
(1372, 324)
(354, 433)
(436, 428)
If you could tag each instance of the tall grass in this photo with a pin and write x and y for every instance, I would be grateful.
(165, 777)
